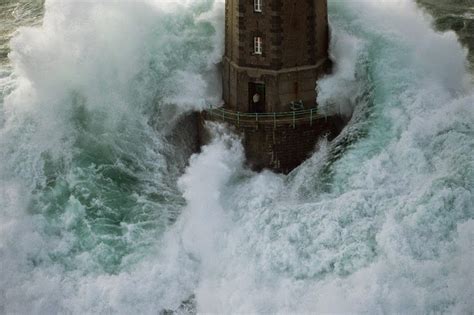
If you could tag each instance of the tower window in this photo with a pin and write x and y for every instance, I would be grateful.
(257, 45)
(257, 5)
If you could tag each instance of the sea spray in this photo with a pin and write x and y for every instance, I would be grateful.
(381, 239)
(88, 186)
(87, 172)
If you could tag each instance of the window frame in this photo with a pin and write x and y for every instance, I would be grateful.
(257, 6)
(257, 45)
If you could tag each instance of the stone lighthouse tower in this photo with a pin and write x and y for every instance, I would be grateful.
(275, 51)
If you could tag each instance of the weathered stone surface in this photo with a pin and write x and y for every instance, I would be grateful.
(280, 148)
(295, 51)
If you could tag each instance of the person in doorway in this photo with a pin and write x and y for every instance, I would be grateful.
(256, 98)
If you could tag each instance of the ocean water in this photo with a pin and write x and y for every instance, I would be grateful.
(103, 209)
(457, 15)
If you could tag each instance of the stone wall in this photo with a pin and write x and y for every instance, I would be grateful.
(294, 33)
(283, 148)
(282, 86)
(295, 42)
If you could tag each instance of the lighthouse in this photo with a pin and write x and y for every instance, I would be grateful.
(275, 51)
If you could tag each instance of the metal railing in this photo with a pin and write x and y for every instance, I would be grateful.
(276, 119)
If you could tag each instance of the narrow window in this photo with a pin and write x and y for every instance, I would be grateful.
(257, 45)
(257, 5)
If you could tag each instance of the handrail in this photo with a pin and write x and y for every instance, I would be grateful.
(291, 118)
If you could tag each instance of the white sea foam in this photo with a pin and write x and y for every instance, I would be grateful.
(387, 227)
(391, 232)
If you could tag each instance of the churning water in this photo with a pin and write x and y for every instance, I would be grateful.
(100, 212)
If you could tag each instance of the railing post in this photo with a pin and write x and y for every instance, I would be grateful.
(294, 114)
(256, 121)
(311, 117)
(274, 121)
(238, 119)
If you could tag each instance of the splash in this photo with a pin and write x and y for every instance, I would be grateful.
(98, 216)
(88, 165)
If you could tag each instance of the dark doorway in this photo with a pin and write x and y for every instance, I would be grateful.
(256, 97)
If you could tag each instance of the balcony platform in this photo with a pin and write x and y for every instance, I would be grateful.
(275, 119)
(278, 141)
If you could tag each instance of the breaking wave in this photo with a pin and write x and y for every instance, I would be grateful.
(100, 211)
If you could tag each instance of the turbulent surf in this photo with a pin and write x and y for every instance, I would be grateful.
(104, 208)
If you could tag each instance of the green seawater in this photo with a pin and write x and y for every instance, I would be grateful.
(104, 209)
(456, 15)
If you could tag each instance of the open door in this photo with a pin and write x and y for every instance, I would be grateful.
(256, 97)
